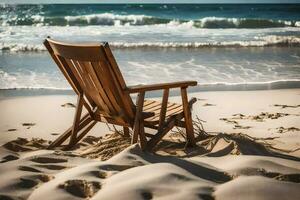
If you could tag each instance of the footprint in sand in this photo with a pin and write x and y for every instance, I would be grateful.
(34, 180)
(9, 158)
(111, 168)
(229, 121)
(206, 193)
(116, 167)
(209, 104)
(284, 130)
(256, 172)
(238, 116)
(81, 188)
(68, 105)
(52, 167)
(286, 106)
(11, 129)
(295, 178)
(6, 197)
(100, 174)
(199, 99)
(241, 127)
(28, 169)
(48, 160)
(27, 183)
(206, 196)
(147, 195)
(28, 125)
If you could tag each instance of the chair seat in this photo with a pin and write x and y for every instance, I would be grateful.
(152, 106)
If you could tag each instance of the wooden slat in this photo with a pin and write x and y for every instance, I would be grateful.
(188, 118)
(172, 109)
(76, 70)
(72, 81)
(99, 87)
(127, 101)
(109, 120)
(155, 108)
(160, 86)
(163, 111)
(108, 86)
(76, 120)
(87, 106)
(82, 52)
(89, 89)
(148, 102)
(138, 114)
(151, 106)
(114, 66)
(73, 71)
(65, 69)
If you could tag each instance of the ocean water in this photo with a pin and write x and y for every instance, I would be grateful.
(222, 46)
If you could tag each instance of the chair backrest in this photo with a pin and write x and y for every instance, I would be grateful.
(92, 71)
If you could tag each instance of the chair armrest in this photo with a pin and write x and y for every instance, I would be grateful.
(160, 86)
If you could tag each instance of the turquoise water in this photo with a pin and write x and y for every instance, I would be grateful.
(222, 46)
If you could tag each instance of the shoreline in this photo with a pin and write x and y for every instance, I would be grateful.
(214, 87)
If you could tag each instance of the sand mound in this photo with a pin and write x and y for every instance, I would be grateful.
(240, 144)
(24, 144)
(222, 166)
(101, 148)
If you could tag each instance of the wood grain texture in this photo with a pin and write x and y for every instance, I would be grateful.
(94, 75)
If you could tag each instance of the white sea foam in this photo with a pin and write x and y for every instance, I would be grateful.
(15, 47)
(108, 19)
(31, 80)
(271, 40)
(235, 71)
(276, 84)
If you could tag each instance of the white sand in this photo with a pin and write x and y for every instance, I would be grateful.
(230, 166)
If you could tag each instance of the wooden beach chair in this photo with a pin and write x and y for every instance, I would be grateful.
(94, 75)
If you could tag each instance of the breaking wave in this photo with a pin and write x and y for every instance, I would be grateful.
(109, 19)
(283, 41)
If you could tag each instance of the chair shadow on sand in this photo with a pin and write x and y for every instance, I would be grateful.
(234, 144)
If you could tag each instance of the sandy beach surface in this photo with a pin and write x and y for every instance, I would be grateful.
(248, 148)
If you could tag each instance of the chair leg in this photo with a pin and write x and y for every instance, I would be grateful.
(76, 121)
(84, 121)
(160, 134)
(85, 131)
(126, 131)
(78, 124)
(138, 117)
(188, 119)
(135, 135)
(143, 139)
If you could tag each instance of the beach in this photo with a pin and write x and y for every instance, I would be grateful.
(252, 152)
(245, 58)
